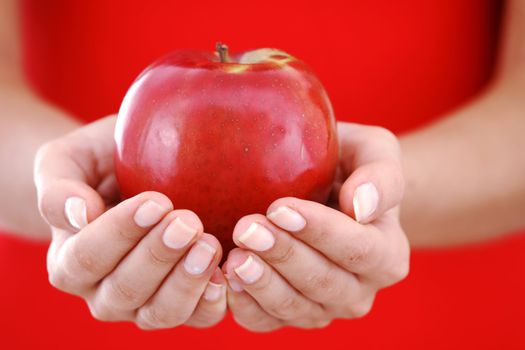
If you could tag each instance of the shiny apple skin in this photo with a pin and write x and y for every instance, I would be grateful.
(223, 143)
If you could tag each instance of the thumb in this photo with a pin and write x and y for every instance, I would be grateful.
(65, 200)
(65, 172)
(372, 157)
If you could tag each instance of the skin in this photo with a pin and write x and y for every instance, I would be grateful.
(342, 254)
(483, 201)
(26, 122)
(482, 167)
(333, 267)
(124, 271)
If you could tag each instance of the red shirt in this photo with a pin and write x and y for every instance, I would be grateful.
(398, 64)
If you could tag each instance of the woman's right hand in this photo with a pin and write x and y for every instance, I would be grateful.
(138, 260)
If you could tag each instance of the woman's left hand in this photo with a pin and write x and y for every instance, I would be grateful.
(304, 263)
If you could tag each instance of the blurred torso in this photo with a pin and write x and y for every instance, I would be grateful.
(398, 64)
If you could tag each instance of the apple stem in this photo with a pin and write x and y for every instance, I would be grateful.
(222, 50)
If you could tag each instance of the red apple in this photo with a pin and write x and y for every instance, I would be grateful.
(225, 136)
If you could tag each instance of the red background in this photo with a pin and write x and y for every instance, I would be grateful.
(398, 64)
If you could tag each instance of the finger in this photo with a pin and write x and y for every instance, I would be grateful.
(178, 296)
(87, 257)
(247, 312)
(212, 305)
(305, 268)
(361, 249)
(371, 155)
(271, 291)
(141, 272)
(68, 170)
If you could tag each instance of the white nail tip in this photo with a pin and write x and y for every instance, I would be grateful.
(206, 246)
(149, 213)
(257, 237)
(365, 201)
(76, 212)
(250, 270)
(213, 291)
(248, 233)
(177, 235)
(199, 258)
(185, 228)
(287, 219)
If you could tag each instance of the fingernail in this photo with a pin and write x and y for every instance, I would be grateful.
(199, 258)
(236, 287)
(250, 270)
(76, 212)
(149, 213)
(365, 201)
(288, 219)
(177, 235)
(257, 237)
(213, 291)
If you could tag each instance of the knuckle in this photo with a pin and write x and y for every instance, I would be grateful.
(258, 325)
(151, 318)
(287, 308)
(388, 136)
(386, 142)
(157, 259)
(321, 281)
(58, 280)
(85, 260)
(313, 323)
(100, 312)
(400, 268)
(357, 253)
(126, 234)
(399, 272)
(319, 284)
(143, 327)
(44, 150)
(205, 321)
(281, 256)
(360, 309)
(62, 280)
(120, 293)
(157, 318)
(321, 323)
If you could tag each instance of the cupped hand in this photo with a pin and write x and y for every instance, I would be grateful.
(138, 260)
(305, 264)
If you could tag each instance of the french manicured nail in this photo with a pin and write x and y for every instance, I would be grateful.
(149, 213)
(287, 218)
(257, 237)
(76, 212)
(365, 201)
(213, 291)
(250, 270)
(236, 287)
(199, 258)
(177, 235)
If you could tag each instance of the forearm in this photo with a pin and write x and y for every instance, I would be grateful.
(466, 174)
(26, 122)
